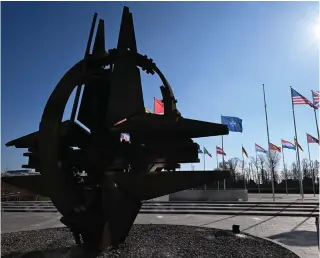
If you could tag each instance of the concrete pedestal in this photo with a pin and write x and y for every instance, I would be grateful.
(210, 195)
(164, 198)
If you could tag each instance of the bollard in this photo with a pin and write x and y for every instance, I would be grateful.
(235, 229)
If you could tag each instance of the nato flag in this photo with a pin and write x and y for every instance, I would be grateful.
(234, 123)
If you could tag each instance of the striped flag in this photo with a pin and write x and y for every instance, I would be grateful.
(297, 98)
(315, 98)
(260, 149)
(311, 139)
(287, 145)
(220, 151)
(274, 147)
(124, 137)
(297, 144)
(244, 151)
(205, 151)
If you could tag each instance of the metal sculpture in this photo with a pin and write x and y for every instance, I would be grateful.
(96, 181)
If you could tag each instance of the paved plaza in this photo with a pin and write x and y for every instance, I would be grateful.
(296, 233)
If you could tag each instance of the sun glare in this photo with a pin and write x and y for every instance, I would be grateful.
(316, 29)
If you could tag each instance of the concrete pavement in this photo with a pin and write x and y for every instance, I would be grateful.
(296, 233)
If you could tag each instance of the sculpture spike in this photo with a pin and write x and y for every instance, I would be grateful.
(99, 43)
(127, 38)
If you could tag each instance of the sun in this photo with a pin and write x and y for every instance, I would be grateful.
(316, 29)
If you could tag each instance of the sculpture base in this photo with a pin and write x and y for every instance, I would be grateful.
(210, 195)
(145, 241)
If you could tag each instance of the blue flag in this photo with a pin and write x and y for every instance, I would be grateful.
(200, 151)
(234, 123)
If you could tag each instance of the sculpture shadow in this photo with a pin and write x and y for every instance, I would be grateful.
(71, 252)
(301, 238)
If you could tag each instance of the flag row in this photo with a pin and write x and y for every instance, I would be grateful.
(235, 125)
(284, 145)
(297, 99)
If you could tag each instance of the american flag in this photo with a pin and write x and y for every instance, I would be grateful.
(297, 98)
(315, 97)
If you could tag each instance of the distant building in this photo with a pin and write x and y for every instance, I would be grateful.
(12, 193)
(20, 172)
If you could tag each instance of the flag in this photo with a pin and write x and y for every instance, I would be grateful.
(148, 110)
(315, 98)
(274, 147)
(120, 122)
(220, 151)
(123, 136)
(244, 151)
(311, 139)
(206, 152)
(260, 149)
(234, 123)
(200, 151)
(287, 145)
(297, 144)
(158, 106)
(297, 98)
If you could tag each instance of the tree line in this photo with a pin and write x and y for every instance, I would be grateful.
(257, 171)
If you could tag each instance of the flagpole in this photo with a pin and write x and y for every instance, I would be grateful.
(223, 164)
(244, 176)
(191, 170)
(297, 148)
(265, 109)
(204, 165)
(217, 159)
(314, 193)
(217, 166)
(257, 170)
(284, 169)
(204, 161)
(315, 116)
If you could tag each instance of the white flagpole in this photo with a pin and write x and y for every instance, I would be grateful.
(223, 164)
(265, 109)
(217, 158)
(284, 168)
(217, 165)
(315, 116)
(297, 148)
(257, 169)
(314, 193)
(244, 176)
(204, 165)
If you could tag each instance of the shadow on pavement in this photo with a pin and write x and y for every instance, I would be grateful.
(301, 238)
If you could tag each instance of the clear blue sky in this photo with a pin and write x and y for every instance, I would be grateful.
(216, 55)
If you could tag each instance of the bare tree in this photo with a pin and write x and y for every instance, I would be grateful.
(294, 171)
(315, 169)
(255, 168)
(273, 163)
(262, 162)
(283, 175)
(232, 165)
(306, 169)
